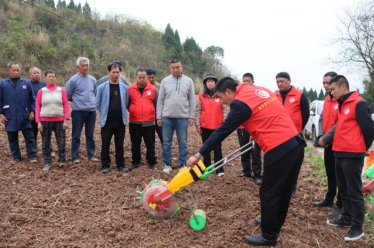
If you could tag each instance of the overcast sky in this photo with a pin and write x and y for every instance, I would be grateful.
(261, 37)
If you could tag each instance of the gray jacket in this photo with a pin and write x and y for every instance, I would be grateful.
(176, 98)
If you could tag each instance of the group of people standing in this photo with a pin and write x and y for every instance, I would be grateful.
(274, 120)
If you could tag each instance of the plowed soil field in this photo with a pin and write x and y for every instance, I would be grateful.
(78, 206)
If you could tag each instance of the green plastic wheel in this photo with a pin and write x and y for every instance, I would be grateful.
(200, 212)
(201, 218)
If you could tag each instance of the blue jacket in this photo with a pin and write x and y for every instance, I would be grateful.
(103, 98)
(16, 103)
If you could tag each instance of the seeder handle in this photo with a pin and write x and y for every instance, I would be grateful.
(225, 160)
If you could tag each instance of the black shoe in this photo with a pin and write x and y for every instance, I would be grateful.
(354, 234)
(122, 169)
(339, 222)
(105, 170)
(257, 181)
(323, 204)
(293, 192)
(152, 167)
(134, 166)
(258, 221)
(244, 175)
(258, 240)
(335, 212)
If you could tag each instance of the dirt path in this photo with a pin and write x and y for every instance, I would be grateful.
(78, 206)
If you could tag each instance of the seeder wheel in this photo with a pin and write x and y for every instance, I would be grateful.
(158, 209)
(201, 218)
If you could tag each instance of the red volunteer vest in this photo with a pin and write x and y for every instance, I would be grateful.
(292, 105)
(348, 136)
(211, 112)
(330, 113)
(270, 124)
(142, 109)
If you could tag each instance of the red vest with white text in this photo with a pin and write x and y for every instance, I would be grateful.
(270, 124)
(348, 136)
(292, 105)
(211, 112)
(142, 108)
(330, 113)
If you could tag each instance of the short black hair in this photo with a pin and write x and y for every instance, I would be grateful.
(226, 83)
(151, 71)
(339, 80)
(140, 70)
(173, 61)
(48, 72)
(330, 74)
(283, 75)
(248, 75)
(114, 65)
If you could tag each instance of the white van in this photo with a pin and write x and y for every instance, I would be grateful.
(311, 128)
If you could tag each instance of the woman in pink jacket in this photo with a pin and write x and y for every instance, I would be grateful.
(52, 114)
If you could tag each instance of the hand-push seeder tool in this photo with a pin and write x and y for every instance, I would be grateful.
(160, 198)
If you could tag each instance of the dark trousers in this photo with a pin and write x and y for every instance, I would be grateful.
(348, 176)
(35, 130)
(331, 177)
(276, 189)
(244, 136)
(57, 127)
(217, 149)
(29, 140)
(159, 133)
(137, 132)
(80, 118)
(118, 130)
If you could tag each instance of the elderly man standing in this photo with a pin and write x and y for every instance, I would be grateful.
(17, 108)
(175, 110)
(81, 91)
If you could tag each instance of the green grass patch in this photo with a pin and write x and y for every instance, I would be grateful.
(318, 162)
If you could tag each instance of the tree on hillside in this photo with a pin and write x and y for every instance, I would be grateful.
(61, 4)
(50, 3)
(78, 9)
(169, 37)
(304, 90)
(215, 52)
(321, 95)
(71, 5)
(193, 54)
(177, 46)
(86, 9)
(172, 42)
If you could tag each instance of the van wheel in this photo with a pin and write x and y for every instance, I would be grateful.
(315, 138)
